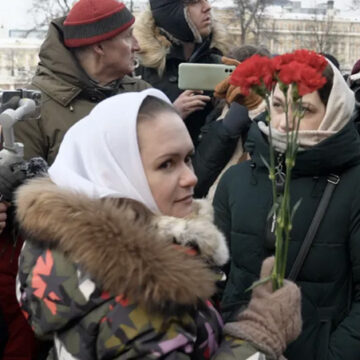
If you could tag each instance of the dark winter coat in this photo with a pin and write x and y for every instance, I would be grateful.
(82, 255)
(17, 340)
(216, 147)
(160, 59)
(330, 277)
(68, 95)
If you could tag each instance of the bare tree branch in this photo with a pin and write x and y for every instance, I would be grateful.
(248, 13)
(355, 5)
(43, 11)
(322, 30)
(130, 5)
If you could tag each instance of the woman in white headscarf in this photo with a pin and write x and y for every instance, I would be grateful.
(118, 258)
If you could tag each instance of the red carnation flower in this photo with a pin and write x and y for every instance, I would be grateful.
(302, 67)
(280, 60)
(255, 72)
(310, 58)
(305, 77)
(290, 73)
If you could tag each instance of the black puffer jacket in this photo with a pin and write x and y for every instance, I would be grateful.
(330, 277)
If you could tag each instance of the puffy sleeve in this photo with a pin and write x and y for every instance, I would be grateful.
(345, 340)
(129, 332)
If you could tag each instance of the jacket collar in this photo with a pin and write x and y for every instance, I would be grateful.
(121, 244)
(333, 155)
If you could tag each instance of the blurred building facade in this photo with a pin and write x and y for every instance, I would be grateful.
(286, 27)
(18, 61)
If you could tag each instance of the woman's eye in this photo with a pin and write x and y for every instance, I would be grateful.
(189, 159)
(305, 109)
(278, 107)
(166, 164)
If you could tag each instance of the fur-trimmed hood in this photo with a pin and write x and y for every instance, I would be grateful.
(155, 45)
(123, 246)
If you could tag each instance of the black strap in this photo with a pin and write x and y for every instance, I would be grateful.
(332, 181)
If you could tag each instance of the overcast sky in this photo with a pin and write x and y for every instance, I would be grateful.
(15, 13)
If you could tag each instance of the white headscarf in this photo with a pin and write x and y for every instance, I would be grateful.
(339, 109)
(100, 156)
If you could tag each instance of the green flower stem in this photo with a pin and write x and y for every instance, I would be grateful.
(283, 211)
(290, 163)
(281, 202)
(286, 212)
(274, 192)
(285, 92)
(272, 153)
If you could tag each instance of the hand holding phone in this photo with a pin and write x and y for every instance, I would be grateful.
(189, 101)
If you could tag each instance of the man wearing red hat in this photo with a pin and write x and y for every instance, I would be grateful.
(85, 58)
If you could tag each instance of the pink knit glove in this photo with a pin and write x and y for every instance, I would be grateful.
(272, 319)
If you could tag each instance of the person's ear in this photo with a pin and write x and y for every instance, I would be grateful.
(98, 48)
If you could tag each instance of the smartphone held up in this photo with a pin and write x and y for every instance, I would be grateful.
(202, 76)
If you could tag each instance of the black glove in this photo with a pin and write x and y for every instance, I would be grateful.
(13, 175)
(237, 120)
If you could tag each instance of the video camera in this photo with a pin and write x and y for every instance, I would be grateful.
(10, 98)
(15, 105)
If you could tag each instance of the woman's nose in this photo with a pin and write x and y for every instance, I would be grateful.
(188, 177)
(290, 123)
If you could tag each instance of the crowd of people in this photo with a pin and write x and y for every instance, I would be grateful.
(143, 237)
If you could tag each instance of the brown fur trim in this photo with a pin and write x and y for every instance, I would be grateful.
(220, 38)
(155, 46)
(113, 241)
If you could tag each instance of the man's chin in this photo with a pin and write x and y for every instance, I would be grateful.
(206, 32)
(130, 71)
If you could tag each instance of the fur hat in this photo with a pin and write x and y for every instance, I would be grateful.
(172, 16)
(91, 21)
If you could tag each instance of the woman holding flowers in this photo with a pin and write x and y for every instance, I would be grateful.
(266, 205)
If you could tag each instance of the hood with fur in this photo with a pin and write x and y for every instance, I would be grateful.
(155, 45)
(123, 246)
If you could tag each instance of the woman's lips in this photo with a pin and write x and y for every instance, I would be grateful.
(188, 198)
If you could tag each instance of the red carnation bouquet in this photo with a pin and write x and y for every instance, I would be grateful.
(301, 72)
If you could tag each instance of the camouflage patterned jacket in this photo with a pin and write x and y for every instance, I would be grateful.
(104, 281)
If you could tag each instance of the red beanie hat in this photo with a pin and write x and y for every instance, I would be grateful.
(91, 21)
